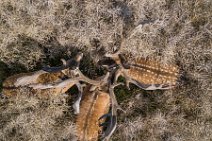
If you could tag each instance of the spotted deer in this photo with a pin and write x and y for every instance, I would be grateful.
(146, 74)
(49, 81)
(94, 104)
(94, 109)
(99, 101)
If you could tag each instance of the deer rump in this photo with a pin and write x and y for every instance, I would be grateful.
(93, 106)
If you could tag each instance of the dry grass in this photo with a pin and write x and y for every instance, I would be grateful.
(28, 118)
(170, 31)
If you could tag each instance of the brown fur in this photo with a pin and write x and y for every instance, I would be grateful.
(152, 72)
(43, 78)
(10, 81)
(41, 93)
(9, 88)
(50, 77)
(93, 106)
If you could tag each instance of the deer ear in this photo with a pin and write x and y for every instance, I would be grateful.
(64, 62)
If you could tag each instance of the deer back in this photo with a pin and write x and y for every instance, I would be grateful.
(93, 106)
(152, 72)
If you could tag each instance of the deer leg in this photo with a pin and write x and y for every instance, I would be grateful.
(41, 86)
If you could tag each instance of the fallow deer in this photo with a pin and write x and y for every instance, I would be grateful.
(99, 94)
(146, 74)
(50, 80)
(94, 104)
(94, 108)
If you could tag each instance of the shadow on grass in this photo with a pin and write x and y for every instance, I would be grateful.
(6, 71)
(52, 52)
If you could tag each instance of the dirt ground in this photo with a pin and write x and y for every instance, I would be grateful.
(36, 33)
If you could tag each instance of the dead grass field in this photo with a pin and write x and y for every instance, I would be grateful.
(34, 33)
